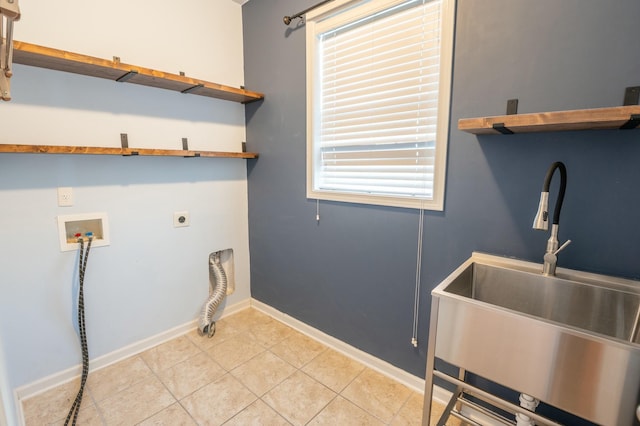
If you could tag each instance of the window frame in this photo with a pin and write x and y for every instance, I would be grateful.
(340, 12)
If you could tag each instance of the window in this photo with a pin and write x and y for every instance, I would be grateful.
(378, 84)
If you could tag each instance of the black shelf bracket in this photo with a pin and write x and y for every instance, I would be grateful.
(634, 121)
(512, 109)
(632, 96)
(192, 88)
(185, 147)
(499, 127)
(126, 76)
(124, 142)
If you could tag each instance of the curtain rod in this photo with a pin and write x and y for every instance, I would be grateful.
(287, 19)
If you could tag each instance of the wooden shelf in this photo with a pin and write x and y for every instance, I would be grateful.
(54, 149)
(60, 60)
(581, 119)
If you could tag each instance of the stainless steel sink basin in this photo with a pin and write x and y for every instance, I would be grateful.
(600, 305)
(571, 341)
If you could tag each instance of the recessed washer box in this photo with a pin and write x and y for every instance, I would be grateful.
(71, 225)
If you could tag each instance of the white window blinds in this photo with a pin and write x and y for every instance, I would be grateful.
(376, 103)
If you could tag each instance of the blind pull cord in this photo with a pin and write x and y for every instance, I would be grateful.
(416, 301)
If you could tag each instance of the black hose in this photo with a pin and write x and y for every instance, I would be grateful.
(563, 186)
(82, 267)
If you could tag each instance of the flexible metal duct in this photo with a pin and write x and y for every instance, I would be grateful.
(217, 293)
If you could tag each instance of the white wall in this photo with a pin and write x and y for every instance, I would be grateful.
(7, 414)
(153, 276)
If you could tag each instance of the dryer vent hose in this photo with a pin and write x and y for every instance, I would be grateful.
(217, 293)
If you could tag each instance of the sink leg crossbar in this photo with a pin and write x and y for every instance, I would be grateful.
(458, 399)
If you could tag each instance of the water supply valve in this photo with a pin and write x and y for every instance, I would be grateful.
(85, 226)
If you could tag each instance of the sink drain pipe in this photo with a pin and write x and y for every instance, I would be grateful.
(217, 292)
(530, 403)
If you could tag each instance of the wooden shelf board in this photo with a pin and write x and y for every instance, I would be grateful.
(60, 60)
(64, 149)
(583, 119)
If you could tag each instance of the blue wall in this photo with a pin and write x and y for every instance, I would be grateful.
(352, 275)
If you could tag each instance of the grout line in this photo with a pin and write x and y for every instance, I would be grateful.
(153, 373)
(186, 411)
(325, 406)
(395, 416)
(98, 409)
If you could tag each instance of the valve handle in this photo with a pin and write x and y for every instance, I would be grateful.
(562, 247)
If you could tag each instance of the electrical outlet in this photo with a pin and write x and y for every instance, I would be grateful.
(180, 219)
(65, 196)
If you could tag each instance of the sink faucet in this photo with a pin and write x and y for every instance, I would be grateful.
(541, 221)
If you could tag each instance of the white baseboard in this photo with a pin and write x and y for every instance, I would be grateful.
(56, 379)
(413, 382)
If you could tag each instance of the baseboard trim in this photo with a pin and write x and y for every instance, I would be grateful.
(413, 382)
(57, 379)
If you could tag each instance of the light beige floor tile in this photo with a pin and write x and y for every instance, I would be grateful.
(271, 333)
(88, 416)
(248, 319)
(344, 413)
(263, 372)
(174, 415)
(235, 351)
(169, 353)
(436, 411)
(298, 349)
(411, 412)
(128, 392)
(299, 398)
(136, 403)
(377, 394)
(333, 369)
(257, 414)
(218, 401)
(224, 331)
(117, 377)
(190, 375)
(54, 404)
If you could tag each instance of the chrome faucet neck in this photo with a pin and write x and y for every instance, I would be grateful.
(550, 257)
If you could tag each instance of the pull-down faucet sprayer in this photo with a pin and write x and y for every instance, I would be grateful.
(541, 221)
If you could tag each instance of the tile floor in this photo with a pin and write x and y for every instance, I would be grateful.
(254, 371)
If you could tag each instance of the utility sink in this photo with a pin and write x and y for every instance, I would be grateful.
(594, 304)
(570, 340)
